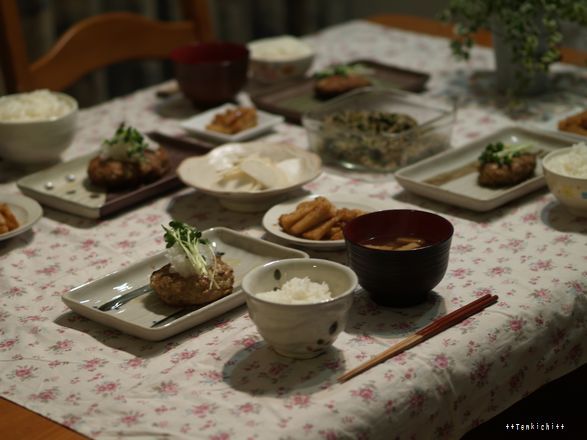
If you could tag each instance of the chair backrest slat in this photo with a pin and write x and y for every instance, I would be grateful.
(94, 43)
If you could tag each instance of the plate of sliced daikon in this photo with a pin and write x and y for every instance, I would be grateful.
(250, 176)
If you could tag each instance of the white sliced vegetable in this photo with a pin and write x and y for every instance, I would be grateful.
(238, 182)
(291, 167)
(265, 172)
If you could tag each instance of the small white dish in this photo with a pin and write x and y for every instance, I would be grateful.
(205, 173)
(197, 125)
(137, 317)
(26, 210)
(271, 218)
(451, 177)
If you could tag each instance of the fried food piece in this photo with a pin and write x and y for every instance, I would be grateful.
(116, 174)
(336, 233)
(175, 290)
(322, 211)
(346, 214)
(318, 219)
(286, 221)
(8, 221)
(233, 120)
(321, 230)
(575, 124)
(335, 85)
(492, 174)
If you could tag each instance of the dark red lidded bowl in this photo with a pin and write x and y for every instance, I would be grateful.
(210, 73)
(393, 277)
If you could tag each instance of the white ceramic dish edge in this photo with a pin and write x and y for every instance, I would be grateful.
(197, 125)
(271, 218)
(26, 210)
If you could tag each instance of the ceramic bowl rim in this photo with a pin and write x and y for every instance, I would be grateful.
(395, 251)
(245, 56)
(70, 99)
(296, 60)
(348, 292)
(559, 152)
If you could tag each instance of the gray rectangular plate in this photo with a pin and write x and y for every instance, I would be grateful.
(136, 317)
(464, 191)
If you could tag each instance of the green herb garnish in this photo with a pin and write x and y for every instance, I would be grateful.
(131, 137)
(502, 154)
(188, 239)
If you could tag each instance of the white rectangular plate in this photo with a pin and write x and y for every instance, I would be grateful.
(464, 191)
(136, 317)
(197, 125)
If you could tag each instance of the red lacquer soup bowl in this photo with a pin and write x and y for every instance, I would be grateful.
(399, 255)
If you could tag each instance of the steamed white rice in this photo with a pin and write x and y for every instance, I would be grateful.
(573, 164)
(34, 106)
(279, 48)
(298, 291)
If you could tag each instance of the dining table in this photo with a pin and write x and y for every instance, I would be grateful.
(219, 380)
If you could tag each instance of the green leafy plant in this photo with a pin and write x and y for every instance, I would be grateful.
(530, 27)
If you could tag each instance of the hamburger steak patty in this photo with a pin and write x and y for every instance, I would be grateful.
(494, 175)
(117, 174)
(175, 290)
(335, 85)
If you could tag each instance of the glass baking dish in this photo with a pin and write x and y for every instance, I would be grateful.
(340, 136)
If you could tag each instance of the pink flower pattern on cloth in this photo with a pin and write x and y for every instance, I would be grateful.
(219, 380)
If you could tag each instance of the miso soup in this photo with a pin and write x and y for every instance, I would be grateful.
(394, 243)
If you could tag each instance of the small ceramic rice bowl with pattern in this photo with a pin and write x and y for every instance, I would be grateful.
(565, 171)
(300, 305)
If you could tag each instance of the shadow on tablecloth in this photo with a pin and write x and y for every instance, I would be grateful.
(196, 208)
(557, 217)
(368, 318)
(260, 371)
(140, 348)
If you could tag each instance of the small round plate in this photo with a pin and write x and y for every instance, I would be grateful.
(205, 173)
(271, 218)
(26, 210)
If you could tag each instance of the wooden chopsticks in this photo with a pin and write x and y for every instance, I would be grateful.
(424, 333)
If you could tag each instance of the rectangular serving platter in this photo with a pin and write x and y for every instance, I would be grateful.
(66, 186)
(297, 98)
(137, 317)
(451, 177)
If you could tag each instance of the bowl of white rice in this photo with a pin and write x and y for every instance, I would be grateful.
(36, 127)
(565, 171)
(279, 58)
(300, 305)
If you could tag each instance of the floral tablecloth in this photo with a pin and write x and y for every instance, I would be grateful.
(219, 380)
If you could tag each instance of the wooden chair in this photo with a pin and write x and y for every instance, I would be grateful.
(437, 28)
(94, 43)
